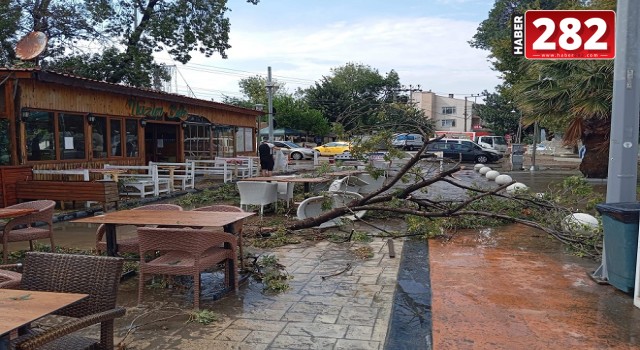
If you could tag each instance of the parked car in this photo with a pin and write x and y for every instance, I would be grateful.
(466, 150)
(294, 150)
(408, 142)
(333, 148)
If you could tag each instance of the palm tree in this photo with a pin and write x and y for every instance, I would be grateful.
(576, 97)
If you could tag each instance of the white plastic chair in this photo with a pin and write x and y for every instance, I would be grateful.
(374, 184)
(347, 183)
(258, 193)
(313, 206)
(285, 190)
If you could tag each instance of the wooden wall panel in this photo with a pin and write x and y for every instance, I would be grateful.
(9, 175)
(65, 98)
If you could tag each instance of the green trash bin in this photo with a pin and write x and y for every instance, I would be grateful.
(620, 225)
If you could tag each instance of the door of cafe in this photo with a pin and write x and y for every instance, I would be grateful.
(161, 142)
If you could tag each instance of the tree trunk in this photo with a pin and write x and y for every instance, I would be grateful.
(595, 163)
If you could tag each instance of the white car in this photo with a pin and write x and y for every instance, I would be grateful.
(293, 150)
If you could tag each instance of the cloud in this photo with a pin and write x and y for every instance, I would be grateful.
(430, 51)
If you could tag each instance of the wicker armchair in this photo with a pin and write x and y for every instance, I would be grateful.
(10, 279)
(129, 245)
(97, 276)
(187, 251)
(29, 233)
(236, 227)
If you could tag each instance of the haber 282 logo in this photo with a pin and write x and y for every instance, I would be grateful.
(560, 34)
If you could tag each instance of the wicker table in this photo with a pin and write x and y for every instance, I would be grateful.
(164, 218)
(21, 307)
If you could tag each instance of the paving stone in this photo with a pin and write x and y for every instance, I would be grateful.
(298, 317)
(348, 344)
(236, 335)
(326, 318)
(312, 330)
(283, 341)
(255, 325)
(358, 315)
(316, 308)
(266, 314)
(368, 279)
(359, 332)
(260, 337)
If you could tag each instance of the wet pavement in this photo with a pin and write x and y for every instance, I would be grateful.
(337, 301)
(505, 288)
(515, 288)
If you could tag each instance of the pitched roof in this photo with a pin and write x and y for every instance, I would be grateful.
(92, 84)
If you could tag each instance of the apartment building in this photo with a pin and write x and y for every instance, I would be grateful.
(448, 112)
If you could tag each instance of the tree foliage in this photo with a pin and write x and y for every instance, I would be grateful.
(296, 113)
(353, 95)
(577, 95)
(494, 33)
(125, 33)
(499, 113)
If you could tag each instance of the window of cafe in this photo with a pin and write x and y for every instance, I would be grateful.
(71, 136)
(197, 138)
(3, 106)
(244, 140)
(223, 140)
(98, 137)
(45, 141)
(132, 145)
(5, 143)
(41, 143)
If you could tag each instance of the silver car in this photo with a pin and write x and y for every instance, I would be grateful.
(293, 150)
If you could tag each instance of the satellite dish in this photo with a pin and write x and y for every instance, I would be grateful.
(31, 45)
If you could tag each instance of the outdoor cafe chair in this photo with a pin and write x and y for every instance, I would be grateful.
(258, 193)
(186, 252)
(129, 245)
(10, 279)
(237, 226)
(25, 228)
(97, 276)
(285, 190)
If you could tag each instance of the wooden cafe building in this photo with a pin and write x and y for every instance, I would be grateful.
(55, 121)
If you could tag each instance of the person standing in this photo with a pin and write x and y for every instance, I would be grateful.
(265, 151)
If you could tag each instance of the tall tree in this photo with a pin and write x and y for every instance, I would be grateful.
(295, 113)
(499, 113)
(494, 33)
(352, 95)
(577, 97)
(126, 32)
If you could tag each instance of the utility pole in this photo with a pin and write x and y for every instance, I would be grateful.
(622, 174)
(410, 89)
(465, 113)
(270, 86)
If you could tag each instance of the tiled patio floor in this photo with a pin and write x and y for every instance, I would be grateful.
(347, 311)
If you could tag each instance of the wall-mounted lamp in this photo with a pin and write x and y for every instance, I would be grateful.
(91, 118)
(24, 115)
(184, 125)
(143, 122)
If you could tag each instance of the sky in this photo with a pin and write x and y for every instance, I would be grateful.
(424, 41)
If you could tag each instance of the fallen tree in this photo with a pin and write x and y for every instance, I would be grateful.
(540, 212)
